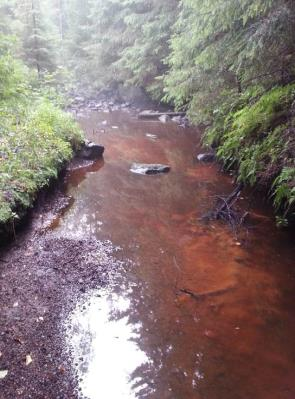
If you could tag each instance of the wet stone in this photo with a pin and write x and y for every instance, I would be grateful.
(91, 151)
(206, 157)
(149, 169)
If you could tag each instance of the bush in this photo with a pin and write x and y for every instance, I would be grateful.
(31, 153)
(257, 138)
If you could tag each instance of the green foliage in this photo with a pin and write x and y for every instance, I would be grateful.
(258, 139)
(284, 190)
(109, 42)
(36, 137)
(142, 61)
(254, 121)
(227, 46)
(32, 153)
(229, 64)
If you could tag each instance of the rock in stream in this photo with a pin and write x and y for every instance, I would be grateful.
(91, 151)
(206, 157)
(149, 169)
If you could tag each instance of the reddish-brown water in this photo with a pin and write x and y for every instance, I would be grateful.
(142, 337)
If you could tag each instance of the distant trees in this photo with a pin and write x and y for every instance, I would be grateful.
(26, 20)
(176, 49)
(113, 41)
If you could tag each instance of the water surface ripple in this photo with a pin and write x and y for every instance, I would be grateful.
(143, 337)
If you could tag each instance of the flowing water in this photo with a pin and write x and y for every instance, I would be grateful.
(142, 336)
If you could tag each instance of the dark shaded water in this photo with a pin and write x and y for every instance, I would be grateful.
(142, 337)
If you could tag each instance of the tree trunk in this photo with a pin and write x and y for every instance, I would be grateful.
(35, 39)
(61, 19)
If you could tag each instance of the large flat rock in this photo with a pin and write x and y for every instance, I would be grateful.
(149, 169)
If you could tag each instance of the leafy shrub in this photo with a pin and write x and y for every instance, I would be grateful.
(31, 153)
(36, 136)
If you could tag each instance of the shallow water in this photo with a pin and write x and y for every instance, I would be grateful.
(143, 337)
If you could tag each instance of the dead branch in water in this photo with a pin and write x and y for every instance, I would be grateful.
(226, 211)
(203, 295)
(228, 202)
(179, 271)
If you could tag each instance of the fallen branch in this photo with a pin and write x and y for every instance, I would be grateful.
(178, 274)
(226, 211)
(227, 203)
(203, 295)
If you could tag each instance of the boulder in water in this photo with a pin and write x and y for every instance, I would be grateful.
(149, 169)
(91, 151)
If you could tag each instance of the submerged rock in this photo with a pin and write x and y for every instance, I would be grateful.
(207, 157)
(164, 118)
(149, 169)
(151, 136)
(177, 119)
(91, 151)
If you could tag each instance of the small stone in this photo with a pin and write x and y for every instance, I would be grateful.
(29, 360)
(207, 157)
(3, 374)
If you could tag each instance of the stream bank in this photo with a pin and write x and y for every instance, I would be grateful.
(115, 270)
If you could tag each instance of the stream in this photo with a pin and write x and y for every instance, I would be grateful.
(142, 336)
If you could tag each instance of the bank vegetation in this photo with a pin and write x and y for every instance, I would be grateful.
(228, 64)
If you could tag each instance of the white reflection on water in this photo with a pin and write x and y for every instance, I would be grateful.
(104, 348)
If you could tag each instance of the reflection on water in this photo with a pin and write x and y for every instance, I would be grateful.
(146, 338)
(107, 343)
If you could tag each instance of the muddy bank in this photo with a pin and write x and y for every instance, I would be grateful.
(42, 277)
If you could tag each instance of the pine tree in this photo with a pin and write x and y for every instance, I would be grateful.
(37, 49)
(224, 47)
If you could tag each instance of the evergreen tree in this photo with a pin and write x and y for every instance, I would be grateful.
(228, 46)
(149, 27)
(37, 48)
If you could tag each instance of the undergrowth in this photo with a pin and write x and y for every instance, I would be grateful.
(36, 136)
(31, 153)
(258, 139)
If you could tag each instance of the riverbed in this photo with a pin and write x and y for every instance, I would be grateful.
(142, 334)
